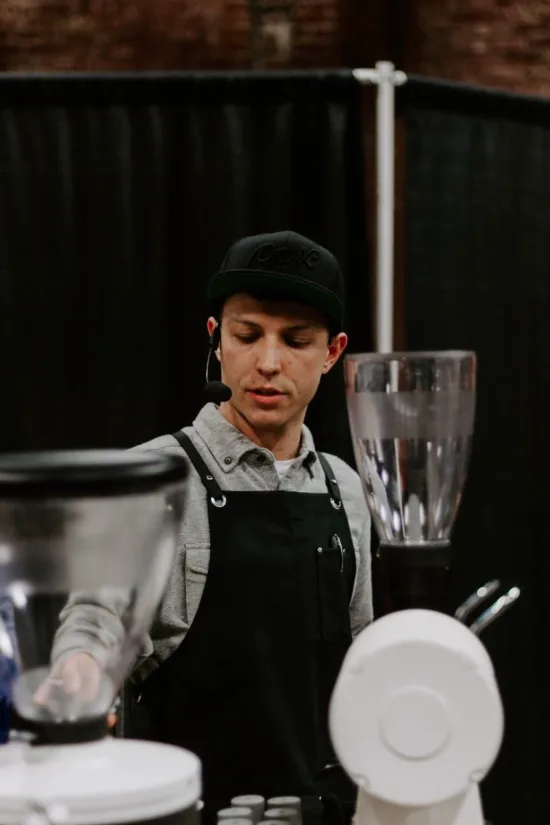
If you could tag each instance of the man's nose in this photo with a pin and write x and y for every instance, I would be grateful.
(269, 358)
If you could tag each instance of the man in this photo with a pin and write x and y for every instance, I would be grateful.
(272, 578)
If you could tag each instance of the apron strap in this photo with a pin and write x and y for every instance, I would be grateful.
(214, 490)
(212, 487)
(332, 484)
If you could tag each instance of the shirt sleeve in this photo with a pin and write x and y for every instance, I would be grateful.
(361, 609)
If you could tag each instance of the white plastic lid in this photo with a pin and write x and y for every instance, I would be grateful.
(284, 802)
(416, 715)
(100, 783)
(248, 801)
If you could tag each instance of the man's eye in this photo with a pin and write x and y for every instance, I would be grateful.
(247, 338)
(298, 343)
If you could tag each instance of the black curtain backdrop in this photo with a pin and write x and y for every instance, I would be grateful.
(477, 251)
(119, 196)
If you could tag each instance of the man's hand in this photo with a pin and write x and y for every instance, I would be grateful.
(79, 676)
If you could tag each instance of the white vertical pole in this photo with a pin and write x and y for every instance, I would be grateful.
(386, 78)
(385, 181)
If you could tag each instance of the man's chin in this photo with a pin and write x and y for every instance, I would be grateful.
(275, 417)
(266, 417)
(261, 419)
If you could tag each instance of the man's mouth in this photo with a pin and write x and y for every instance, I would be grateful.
(265, 395)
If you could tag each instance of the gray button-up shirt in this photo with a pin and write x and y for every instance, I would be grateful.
(240, 465)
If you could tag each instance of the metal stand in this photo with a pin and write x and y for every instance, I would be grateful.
(386, 77)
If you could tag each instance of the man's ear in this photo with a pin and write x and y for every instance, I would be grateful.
(336, 347)
(211, 326)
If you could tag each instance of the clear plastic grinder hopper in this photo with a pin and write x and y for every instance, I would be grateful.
(95, 530)
(412, 422)
(416, 716)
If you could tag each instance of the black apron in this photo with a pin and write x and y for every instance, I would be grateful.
(248, 689)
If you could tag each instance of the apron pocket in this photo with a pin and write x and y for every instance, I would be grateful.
(333, 602)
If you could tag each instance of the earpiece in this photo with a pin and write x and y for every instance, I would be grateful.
(215, 391)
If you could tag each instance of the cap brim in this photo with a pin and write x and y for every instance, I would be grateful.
(277, 285)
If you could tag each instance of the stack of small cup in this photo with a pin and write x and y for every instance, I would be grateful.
(236, 815)
(252, 809)
(283, 810)
(244, 810)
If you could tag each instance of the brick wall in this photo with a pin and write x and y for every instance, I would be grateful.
(120, 34)
(500, 43)
(503, 43)
(165, 34)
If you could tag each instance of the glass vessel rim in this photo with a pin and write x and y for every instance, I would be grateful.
(425, 355)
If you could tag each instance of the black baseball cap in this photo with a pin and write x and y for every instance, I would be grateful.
(284, 266)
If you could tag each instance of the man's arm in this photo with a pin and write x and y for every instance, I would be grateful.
(91, 631)
(92, 622)
(361, 609)
(359, 520)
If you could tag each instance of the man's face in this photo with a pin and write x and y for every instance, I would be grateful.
(272, 357)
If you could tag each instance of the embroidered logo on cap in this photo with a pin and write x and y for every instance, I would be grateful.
(283, 257)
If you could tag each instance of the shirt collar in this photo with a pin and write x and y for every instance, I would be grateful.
(229, 446)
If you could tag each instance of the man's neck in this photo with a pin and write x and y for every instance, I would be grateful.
(284, 443)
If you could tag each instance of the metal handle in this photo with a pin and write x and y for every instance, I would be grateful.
(499, 607)
(473, 601)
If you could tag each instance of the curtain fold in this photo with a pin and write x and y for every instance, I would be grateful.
(477, 251)
(119, 197)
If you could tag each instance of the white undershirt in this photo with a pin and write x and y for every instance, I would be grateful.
(283, 466)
